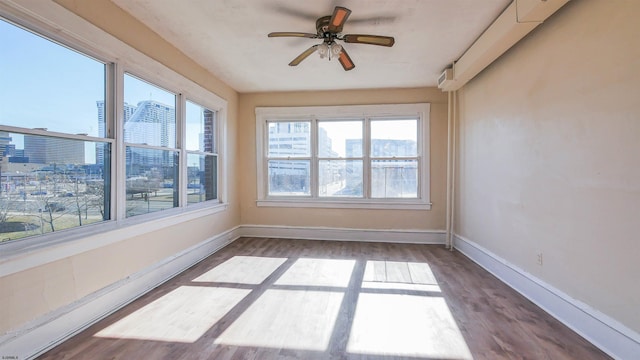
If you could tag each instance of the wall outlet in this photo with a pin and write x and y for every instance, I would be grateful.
(539, 258)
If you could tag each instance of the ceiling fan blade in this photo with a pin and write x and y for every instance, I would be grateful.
(339, 17)
(304, 55)
(292, 34)
(369, 39)
(345, 60)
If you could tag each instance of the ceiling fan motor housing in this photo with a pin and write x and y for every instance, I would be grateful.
(322, 26)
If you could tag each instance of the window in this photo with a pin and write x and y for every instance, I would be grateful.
(289, 163)
(150, 146)
(340, 161)
(54, 154)
(202, 154)
(84, 141)
(394, 158)
(372, 156)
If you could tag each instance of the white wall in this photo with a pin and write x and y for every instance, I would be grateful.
(549, 155)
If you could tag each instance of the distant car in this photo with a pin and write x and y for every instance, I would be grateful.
(67, 194)
(55, 207)
(42, 192)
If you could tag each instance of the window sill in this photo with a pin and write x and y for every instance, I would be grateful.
(21, 254)
(345, 204)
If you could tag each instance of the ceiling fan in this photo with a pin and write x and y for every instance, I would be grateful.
(329, 29)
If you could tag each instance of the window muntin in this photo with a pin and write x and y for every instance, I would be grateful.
(202, 154)
(54, 157)
(362, 156)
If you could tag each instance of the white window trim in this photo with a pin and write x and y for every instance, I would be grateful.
(264, 114)
(51, 20)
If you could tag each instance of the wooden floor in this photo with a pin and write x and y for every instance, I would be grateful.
(296, 299)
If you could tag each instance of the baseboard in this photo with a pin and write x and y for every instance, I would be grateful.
(44, 333)
(345, 234)
(604, 332)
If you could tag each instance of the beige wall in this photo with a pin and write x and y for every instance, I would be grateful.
(343, 218)
(549, 151)
(42, 288)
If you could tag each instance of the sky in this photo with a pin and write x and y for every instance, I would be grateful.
(43, 84)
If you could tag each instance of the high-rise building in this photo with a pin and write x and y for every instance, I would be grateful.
(5, 140)
(149, 122)
(49, 150)
(152, 123)
(102, 126)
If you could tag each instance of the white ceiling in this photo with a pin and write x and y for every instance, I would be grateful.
(229, 38)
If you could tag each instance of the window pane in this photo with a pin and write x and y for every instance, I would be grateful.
(394, 179)
(289, 177)
(202, 176)
(340, 178)
(149, 114)
(391, 138)
(289, 139)
(201, 129)
(339, 139)
(45, 85)
(152, 180)
(51, 186)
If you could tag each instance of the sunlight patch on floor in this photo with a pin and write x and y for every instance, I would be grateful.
(399, 275)
(399, 272)
(405, 325)
(182, 315)
(286, 319)
(251, 270)
(318, 272)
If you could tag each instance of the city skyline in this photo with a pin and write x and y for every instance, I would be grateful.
(32, 96)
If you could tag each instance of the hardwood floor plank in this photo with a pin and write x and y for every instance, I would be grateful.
(296, 299)
(397, 272)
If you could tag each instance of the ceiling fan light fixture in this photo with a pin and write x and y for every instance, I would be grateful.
(323, 50)
(336, 49)
(329, 50)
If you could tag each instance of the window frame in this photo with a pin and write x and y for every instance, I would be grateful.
(184, 89)
(367, 113)
(120, 58)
